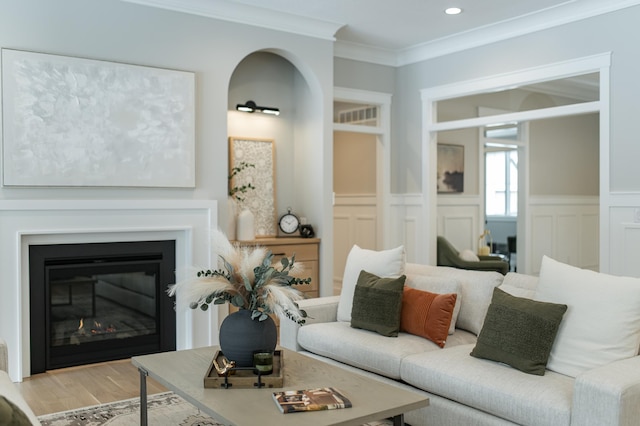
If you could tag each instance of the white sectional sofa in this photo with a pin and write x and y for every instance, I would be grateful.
(9, 415)
(466, 390)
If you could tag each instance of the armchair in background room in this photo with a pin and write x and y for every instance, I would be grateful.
(448, 255)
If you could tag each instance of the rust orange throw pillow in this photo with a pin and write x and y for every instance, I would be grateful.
(427, 314)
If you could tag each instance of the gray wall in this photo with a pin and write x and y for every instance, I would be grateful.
(134, 34)
(613, 32)
(564, 156)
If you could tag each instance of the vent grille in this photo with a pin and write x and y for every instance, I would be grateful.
(359, 115)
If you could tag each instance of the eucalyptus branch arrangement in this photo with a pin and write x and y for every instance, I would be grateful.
(238, 192)
(247, 278)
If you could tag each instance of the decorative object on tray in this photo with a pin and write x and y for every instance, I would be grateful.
(223, 373)
(237, 195)
(297, 401)
(248, 279)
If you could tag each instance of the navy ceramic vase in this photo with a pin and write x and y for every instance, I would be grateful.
(240, 336)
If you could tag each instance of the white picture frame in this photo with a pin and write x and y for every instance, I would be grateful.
(74, 122)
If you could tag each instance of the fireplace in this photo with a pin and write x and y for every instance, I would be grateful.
(94, 302)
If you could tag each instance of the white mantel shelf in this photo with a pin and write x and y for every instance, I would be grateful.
(28, 222)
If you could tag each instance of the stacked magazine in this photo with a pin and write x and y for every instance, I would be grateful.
(317, 399)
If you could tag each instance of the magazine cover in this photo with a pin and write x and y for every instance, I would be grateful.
(297, 401)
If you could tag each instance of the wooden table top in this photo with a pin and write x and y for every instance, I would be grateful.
(183, 372)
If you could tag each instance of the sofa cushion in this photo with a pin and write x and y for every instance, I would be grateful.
(519, 332)
(385, 263)
(377, 304)
(439, 285)
(491, 387)
(602, 323)
(520, 285)
(476, 288)
(361, 348)
(427, 314)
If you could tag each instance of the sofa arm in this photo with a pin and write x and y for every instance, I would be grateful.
(608, 395)
(319, 309)
(4, 356)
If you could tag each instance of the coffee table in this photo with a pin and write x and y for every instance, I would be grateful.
(183, 372)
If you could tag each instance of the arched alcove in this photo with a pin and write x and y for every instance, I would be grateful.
(279, 79)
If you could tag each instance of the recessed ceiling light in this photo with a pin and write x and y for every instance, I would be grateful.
(452, 10)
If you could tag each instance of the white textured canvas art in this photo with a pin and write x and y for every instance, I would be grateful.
(79, 122)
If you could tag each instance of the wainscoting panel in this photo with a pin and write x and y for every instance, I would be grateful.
(341, 249)
(542, 230)
(590, 231)
(354, 222)
(565, 229)
(624, 226)
(407, 225)
(631, 245)
(459, 222)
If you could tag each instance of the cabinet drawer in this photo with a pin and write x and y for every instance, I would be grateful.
(302, 251)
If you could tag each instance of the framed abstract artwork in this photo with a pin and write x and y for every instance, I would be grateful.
(261, 175)
(450, 169)
(81, 122)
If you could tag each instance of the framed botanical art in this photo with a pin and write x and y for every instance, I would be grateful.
(259, 153)
(73, 122)
(450, 169)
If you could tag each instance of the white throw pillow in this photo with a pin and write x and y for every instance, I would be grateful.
(438, 285)
(469, 256)
(385, 263)
(602, 322)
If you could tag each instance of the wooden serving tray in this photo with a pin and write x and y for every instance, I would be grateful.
(243, 379)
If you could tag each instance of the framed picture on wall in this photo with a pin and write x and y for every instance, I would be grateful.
(261, 175)
(450, 169)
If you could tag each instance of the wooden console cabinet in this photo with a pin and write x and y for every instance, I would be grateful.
(306, 251)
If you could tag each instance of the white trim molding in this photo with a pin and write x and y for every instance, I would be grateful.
(33, 222)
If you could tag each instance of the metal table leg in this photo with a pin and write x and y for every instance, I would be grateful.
(143, 396)
(398, 420)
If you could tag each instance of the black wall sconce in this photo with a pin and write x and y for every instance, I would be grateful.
(251, 106)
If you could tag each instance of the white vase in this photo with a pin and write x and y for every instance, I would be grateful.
(232, 217)
(245, 230)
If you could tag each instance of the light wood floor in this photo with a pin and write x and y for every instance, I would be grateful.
(75, 387)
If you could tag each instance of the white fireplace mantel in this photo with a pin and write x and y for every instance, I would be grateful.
(28, 222)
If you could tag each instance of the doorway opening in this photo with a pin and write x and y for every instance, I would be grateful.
(540, 100)
(361, 159)
(500, 144)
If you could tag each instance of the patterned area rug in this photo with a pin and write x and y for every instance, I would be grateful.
(163, 409)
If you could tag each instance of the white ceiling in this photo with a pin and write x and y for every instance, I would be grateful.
(397, 32)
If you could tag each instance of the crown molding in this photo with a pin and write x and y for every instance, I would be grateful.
(537, 21)
(564, 13)
(365, 53)
(250, 15)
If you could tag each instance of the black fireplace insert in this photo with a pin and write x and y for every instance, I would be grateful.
(99, 302)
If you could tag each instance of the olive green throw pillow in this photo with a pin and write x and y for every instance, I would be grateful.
(519, 332)
(377, 304)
